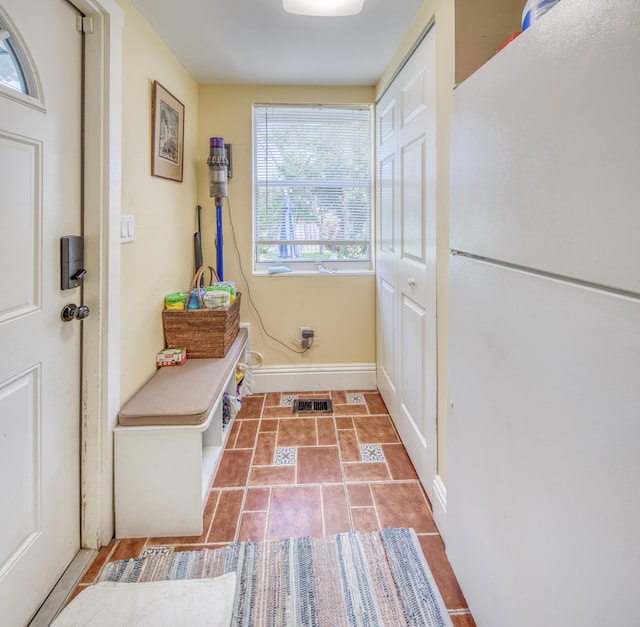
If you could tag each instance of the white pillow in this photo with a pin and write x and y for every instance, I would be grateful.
(188, 602)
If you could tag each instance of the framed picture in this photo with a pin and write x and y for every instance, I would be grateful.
(167, 150)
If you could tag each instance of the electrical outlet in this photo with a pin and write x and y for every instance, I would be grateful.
(306, 337)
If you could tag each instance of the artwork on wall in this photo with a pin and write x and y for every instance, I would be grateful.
(167, 150)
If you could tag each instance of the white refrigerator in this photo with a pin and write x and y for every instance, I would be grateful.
(543, 454)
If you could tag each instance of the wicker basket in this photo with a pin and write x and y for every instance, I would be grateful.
(205, 333)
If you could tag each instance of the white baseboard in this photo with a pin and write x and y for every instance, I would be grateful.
(314, 377)
(440, 506)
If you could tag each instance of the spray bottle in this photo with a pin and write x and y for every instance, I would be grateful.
(534, 10)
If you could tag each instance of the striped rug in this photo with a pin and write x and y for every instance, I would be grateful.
(352, 579)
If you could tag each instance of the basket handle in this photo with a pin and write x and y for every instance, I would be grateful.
(195, 283)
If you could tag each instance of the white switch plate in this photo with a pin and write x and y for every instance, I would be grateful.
(126, 229)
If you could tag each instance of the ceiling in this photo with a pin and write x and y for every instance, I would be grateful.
(257, 42)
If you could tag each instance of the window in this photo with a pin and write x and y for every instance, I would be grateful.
(313, 188)
(18, 78)
(10, 72)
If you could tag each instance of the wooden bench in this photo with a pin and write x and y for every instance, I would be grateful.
(168, 444)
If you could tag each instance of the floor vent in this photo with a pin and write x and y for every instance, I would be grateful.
(313, 406)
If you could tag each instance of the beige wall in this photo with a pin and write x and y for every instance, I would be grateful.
(481, 28)
(160, 260)
(441, 12)
(341, 309)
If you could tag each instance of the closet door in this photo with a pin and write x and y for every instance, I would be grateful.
(406, 256)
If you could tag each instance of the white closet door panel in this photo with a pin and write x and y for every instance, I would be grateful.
(543, 464)
(387, 345)
(406, 255)
(545, 155)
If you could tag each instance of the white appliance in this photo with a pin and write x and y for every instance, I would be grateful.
(543, 486)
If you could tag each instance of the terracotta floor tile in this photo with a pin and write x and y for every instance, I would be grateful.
(326, 432)
(99, 561)
(398, 461)
(344, 422)
(247, 434)
(375, 404)
(209, 510)
(257, 500)
(225, 521)
(334, 509)
(277, 412)
(375, 430)
(128, 548)
(402, 505)
(265, 449)
(365, 471)
(272, 475)
(364, 519)
(350, 410)
(235, 429)
(339, 397)
(297, 432)
(319, 464)
(359, 495)
(268, 426)
(253, 527)
(272, 398)
(295, 511)
(434, 550)
(234, 469)
(251, 407)
(349, 447)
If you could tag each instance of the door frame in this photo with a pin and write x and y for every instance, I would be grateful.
(100, 377)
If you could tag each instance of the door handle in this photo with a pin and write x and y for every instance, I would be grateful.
(411, 281)
(74, 312)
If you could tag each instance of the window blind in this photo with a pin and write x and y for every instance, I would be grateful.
(313, 183)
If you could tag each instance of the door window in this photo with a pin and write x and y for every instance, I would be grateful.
(10, 71)
(16, 74)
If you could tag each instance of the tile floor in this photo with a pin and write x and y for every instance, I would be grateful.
(284, 474)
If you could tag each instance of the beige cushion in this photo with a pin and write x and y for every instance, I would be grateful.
(182, 395)
(189, 602)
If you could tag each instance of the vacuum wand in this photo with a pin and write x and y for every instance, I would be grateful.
(218, 163)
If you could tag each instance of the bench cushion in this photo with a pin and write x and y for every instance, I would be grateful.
(182, 395)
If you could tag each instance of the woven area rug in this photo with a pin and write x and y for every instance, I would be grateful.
(353, 579)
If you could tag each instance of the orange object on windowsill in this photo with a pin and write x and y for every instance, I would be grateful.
(508, 41)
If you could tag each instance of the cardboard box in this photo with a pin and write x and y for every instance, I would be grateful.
(171, 357)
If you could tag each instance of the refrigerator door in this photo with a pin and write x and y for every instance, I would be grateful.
(543, 466)
(546, 148)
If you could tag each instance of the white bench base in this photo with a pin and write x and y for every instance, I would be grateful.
(163, 473)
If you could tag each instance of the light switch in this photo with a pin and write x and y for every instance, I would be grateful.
(126, 229)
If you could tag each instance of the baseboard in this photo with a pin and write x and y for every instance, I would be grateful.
(440, 506)
(314, 377)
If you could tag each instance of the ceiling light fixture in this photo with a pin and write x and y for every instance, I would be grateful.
(327, 8)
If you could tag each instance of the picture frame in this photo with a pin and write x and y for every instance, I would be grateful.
(167, 147)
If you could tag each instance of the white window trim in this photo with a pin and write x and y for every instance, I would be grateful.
(310, 268)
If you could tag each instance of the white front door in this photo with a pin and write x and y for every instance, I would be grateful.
(406, 257)
(40, 201)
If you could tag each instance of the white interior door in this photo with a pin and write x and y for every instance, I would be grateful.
(40, 179)
(406, 257)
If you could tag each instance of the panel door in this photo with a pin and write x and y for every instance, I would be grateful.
(406, 257)
(40, 179)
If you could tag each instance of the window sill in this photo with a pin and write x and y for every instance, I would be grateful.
(309, 273)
